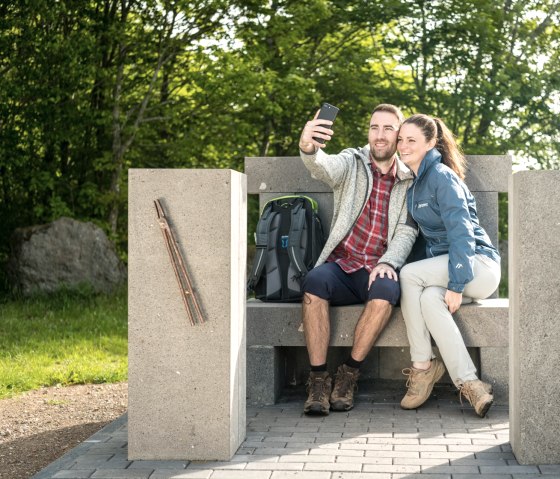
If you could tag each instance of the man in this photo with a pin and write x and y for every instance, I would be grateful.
(370, 239)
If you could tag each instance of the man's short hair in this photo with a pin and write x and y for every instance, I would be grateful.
(395, 110)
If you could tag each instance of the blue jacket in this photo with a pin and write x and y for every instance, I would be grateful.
(445, 211)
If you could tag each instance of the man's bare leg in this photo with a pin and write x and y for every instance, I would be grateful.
(317, 330)
(374, 318)
(316, 327)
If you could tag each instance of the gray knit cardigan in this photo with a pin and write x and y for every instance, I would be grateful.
(349, 175)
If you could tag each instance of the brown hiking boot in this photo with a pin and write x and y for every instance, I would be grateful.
(479, 394)
(420, 384)
(342, 397)
(319, 389)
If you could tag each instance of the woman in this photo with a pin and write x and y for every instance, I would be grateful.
(460, 261)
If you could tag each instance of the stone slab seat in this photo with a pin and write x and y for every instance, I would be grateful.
(482, 324)
(273, 329)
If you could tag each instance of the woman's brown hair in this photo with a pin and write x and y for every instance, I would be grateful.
(451, 154)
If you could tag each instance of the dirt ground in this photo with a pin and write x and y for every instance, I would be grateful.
(40, 426)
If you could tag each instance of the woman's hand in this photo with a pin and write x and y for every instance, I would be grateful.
(453, 300)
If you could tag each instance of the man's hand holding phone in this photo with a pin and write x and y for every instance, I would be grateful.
(317, 132)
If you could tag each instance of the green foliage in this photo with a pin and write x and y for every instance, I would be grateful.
(90, 89)
(67, 338)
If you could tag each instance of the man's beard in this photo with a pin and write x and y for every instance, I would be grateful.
(382, 155)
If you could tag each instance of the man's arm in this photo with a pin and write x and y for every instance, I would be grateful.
(329, 169)
(403, 240)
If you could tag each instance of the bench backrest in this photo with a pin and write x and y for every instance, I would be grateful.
(270, 177)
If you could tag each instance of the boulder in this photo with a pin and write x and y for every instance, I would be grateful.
(64, 253)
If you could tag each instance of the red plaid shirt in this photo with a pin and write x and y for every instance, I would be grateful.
(367, 241)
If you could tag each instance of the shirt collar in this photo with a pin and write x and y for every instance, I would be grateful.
(391, 174)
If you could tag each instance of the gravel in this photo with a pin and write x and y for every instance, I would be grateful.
(38, 427)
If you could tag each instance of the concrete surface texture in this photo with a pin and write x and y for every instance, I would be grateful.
(187, 383)
(534, 289)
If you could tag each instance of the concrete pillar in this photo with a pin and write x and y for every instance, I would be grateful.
(534, 292)
(187, 383)
(264, 375)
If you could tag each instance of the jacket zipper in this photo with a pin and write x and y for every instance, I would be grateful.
(412, 214)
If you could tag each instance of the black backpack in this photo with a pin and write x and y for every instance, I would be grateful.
(289, 240)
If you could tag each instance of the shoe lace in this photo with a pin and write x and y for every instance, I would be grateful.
(345, 383)
(465, 390)
(410, 381)
(315, 387)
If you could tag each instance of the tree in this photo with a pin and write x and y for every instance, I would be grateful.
(490, 70)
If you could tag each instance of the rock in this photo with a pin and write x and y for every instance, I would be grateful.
(64, 253)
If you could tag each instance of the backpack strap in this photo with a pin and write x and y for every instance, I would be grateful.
(294, 240)
(263, 227)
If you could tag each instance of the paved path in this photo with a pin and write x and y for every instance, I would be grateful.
(376, 440)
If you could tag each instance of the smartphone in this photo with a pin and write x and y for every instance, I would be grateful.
(327, 112)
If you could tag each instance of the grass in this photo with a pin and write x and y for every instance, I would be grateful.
(65, 338)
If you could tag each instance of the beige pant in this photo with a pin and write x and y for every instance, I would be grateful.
(423, 287)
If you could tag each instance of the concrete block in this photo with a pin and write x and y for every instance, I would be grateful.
(488, 172)
(392, 361)
(187, 383)
(270, 174)
(494, 369)
(264, 375)
(534, 285)
(487, 209)
(481, 323)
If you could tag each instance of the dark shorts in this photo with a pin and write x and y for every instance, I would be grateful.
(330, 282)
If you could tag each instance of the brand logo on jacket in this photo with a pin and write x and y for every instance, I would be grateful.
(458, 266)
(422, 205)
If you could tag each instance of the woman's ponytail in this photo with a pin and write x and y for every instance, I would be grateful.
(451, 153)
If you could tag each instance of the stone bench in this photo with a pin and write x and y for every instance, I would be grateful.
(276, 353)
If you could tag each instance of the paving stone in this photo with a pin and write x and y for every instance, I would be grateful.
(422, 461)
(309, 458)
(122, 474)
(74, 474)
(338, 452)
(393, 469)
(367, 447)
(365, 460)
(494, 455)
(216, 465)
(241, 475)
(382, 454)
(252, 458)
(276, 466)
(332, 466)
(447, 455)
(279, 451)
(181, 474)
(452, 469)
(300, 475)
(509, 470)
(158, 465)
(421, 448)
(392, 454)
(486, 476)
(424, 476)
(360, 475)
(548, 469)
